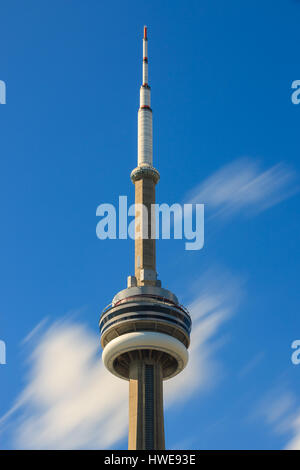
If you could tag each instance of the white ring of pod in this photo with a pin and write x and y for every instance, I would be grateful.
(145, 340)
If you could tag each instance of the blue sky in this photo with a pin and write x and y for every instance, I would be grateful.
(226, 133)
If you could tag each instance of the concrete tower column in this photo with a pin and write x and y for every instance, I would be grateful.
(146, 418)
(145, 259)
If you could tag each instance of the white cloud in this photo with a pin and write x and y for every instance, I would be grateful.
(70, 400)
(217, 298)
(242, 186)
(294, 442)
(280, 411)
(276, 406)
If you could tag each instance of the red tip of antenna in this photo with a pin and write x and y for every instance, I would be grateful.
(145, 32)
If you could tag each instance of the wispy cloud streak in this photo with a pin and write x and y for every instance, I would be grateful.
(70, 400)
(243, 186)
(280, 411)
(216, 298)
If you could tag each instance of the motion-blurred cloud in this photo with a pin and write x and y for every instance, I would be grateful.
(241, 186)
(71, 402)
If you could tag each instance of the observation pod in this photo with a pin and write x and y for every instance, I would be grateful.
(145, 322)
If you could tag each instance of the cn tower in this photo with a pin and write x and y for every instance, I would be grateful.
(145, 332)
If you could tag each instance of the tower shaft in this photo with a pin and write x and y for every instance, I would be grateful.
(145, 259)
(146, 418)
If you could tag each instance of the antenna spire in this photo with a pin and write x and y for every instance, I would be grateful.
(145, 113)
(145, 57)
